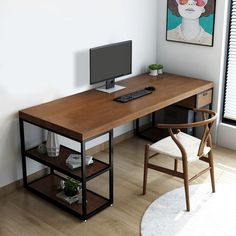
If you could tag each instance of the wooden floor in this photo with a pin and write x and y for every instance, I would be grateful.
(22, 213)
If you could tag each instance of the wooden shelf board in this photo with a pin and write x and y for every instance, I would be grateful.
(58, 163)
(47, 186)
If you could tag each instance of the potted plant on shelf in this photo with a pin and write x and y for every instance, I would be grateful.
(155, 69)
(71, 187)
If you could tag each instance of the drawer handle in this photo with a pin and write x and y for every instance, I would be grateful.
(204, 94)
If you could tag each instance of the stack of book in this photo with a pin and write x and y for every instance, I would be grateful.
(74, 161)
(74, 199)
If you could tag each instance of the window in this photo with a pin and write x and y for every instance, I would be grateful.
(229, 112)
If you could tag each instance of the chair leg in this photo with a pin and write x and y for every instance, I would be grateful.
(176, 165)
(186, 186)
(146, 157)
(211, 164)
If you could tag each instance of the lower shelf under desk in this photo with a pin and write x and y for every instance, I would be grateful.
(46, 187)
(152, 134)
(173, 114)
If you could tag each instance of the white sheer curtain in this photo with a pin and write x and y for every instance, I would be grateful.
(230, 88)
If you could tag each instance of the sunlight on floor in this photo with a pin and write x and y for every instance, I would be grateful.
(227, 168)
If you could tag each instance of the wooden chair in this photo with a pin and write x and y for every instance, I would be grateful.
(184, 147)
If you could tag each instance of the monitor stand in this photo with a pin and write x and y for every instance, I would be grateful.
(110, 90)
(110, 86)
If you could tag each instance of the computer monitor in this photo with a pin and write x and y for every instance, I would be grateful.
(109, 62)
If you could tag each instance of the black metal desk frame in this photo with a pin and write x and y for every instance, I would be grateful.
(85, 215)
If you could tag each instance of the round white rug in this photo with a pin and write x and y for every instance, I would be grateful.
(211, 213)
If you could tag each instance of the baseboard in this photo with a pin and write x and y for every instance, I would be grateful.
(7, 189)
(19, 183)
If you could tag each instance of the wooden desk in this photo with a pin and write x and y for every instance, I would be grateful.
(84, 116)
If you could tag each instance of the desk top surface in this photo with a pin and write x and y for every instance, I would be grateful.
(84, 115)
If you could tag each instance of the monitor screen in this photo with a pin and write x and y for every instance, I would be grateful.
(110, 61)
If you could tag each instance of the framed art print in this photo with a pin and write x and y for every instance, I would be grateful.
(191, 21)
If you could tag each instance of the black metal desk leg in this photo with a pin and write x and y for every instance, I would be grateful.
(83, 172)
(137, 127)
(22, 142)
(111, 196)
(153, 119)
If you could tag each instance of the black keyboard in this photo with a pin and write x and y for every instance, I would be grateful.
(131, 96)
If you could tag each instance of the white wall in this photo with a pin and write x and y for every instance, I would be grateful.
(44, 55)
(193, 60)
(227, 136)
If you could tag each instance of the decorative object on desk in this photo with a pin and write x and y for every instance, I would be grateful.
(191, 21)
(52, 144)
(159, 69)
(211, 214)
(74, 161)
(71, 187)
(153, 69)
(41, 149)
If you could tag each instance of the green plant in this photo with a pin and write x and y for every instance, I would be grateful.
(155, 67)
(71, 186)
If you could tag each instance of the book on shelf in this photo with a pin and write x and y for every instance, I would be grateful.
(74, 161)
(74, 199)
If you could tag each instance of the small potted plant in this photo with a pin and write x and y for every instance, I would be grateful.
(159, 68)
(155, 69)
(71, 187)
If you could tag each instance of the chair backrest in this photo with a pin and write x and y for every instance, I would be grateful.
(207, 123)
(209, 118)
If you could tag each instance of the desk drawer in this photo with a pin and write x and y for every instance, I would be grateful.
(198, 101)
(204, 98)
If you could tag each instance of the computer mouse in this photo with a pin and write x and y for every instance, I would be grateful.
(151, 88)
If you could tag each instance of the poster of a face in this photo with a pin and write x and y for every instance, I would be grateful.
(191, 21)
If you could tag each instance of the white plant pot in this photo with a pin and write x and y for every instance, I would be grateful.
(153, 73)
(52, 145)
(160, 71)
